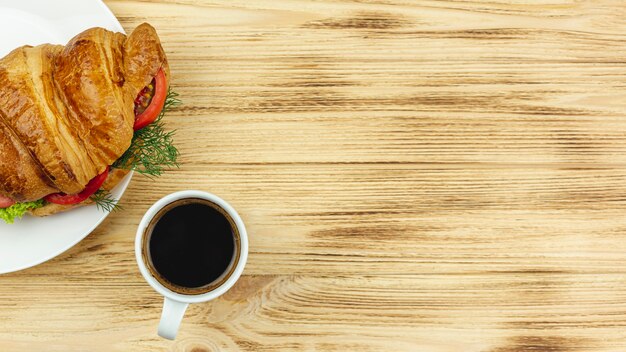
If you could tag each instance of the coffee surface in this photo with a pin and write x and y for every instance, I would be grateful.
(192, 245)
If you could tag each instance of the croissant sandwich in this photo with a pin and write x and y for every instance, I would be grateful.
(75, 119)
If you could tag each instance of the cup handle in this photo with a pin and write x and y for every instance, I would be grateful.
(173, 312)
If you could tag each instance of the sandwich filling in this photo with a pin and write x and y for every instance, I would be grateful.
(151, 151)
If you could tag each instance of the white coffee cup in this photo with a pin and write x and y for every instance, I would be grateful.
(175, 303)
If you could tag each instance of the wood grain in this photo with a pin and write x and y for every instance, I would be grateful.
(414, 175)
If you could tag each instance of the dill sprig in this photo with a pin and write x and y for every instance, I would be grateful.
(105, 201)
(152, 150)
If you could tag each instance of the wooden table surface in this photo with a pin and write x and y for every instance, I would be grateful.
(414, 176)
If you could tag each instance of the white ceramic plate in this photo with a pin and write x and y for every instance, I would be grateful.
(31, 241)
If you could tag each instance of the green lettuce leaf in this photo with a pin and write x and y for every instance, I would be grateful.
(18, 210)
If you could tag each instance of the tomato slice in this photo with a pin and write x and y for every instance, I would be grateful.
(5, 202)
(156, 105)
(91, 188)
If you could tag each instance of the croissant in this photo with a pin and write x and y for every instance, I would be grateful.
(67, 112)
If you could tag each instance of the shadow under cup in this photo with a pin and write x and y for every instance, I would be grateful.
(206, 288)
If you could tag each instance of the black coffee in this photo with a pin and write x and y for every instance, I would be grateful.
(191, 244)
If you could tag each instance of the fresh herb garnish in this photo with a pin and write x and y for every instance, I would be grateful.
(152, 150)
(105, 201)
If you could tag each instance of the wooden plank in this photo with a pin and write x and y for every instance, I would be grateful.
(442, 81)
(389, 219)
(541, 311)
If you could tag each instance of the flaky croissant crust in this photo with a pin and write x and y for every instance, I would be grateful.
(67, 112)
